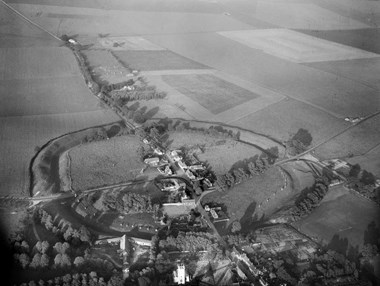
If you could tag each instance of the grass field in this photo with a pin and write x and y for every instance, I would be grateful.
(58, 95)
(242, 201)
(105, 162)
(344, 214)
(283, 119)
(356, 141)
(105, 66)
(156, 60)
(222, 157)
(370, 161)
(213, 93)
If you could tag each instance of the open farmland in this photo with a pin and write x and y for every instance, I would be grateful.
(356, 141)
(369, 161)
(20, 135)
(58, 95)
(222, 157)
(283, 119)
(156, 60)
(128, 43)
(105, 162)
(243, 200)
(344, 214)
(104, 66)
(215, 94)
(37, 62)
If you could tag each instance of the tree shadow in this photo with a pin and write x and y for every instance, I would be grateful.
(251, 221)
(338, 244)
(303, 194)
(372, 234)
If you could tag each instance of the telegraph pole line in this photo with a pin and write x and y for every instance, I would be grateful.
(29, 21)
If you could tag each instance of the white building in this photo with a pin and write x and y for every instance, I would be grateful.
(180, 276)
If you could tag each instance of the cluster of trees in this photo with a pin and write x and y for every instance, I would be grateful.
(70, 234)
(329, 264)
(363, 182)
(139, 92)
(96, 135)
(130, 203)
(299, 142)
(310, 199)
(239, 175)
(190, 241)
(79, 279)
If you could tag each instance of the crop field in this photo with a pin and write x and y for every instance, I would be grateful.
(298, 15)
(294, 46)
(338, 95)
(128, 43)
(365, 39)
(222, 157)
(20, 136)
(37, 62)
(356, 141)
(243, 200)
(213, 93)
(105, 66)
(105, 162)
(59, 95)
(156, 60)
(283, 119)
(362, 70)
(344, 214)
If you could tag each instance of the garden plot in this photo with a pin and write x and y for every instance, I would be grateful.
(296, 47)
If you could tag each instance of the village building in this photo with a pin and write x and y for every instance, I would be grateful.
(180, 275)
(152, 161)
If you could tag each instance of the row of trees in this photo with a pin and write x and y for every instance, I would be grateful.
(363, 182)
(79, 279)
(69, 234)
(239, 175)
(130, 203)
(310, 200)
(189, 241)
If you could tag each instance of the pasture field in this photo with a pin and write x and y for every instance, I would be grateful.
(338, 95)
(283, 119)
(356, 141)
(211, 92)
(36, 96)
(37, 62)
(156, 60)
(105, 66)
(370, 161)
(344, 214)
(106, 162)
(222, 157)
(20, 135)
(242, 201)
(296, 47)
(362, 70)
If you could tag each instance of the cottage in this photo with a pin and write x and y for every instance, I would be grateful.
(152, 161)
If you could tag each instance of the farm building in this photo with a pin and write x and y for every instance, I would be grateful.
(152, 161)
